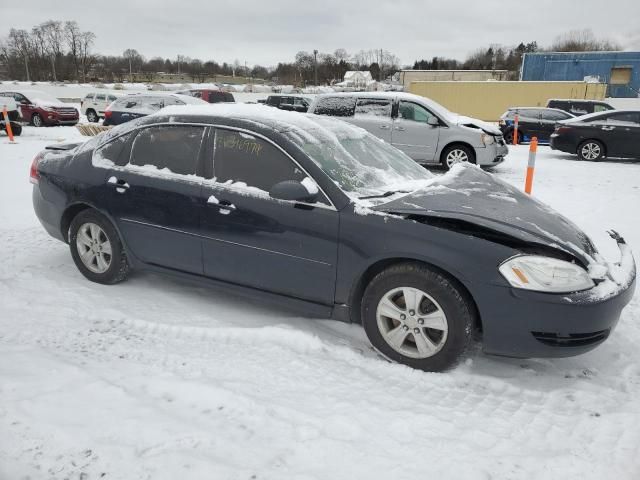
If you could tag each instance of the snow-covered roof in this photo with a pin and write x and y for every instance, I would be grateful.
(352, 75)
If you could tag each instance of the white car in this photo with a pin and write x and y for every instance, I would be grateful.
(94, 105)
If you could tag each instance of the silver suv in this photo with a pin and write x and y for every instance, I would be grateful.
(421, 128)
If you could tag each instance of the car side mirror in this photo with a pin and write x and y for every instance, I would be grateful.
(294, 191)
(433, 121)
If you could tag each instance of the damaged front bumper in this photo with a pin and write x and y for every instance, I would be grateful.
(521, 323)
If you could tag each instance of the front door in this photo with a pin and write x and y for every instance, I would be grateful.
(374, 115)
(154, 197)
(254, 240)
(413, 135)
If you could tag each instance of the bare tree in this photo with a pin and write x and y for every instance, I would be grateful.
(52, 34)
(72, 36)
(85, 56)
(20, 44)
(582, 41)
(134, 58)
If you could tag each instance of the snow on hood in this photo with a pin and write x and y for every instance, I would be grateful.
(468, 193)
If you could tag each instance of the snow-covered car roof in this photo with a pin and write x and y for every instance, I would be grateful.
(589, 116)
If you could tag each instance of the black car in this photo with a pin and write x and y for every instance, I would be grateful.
(134, 106)
(319, 214)
(532, 122)
(592, 137)
(579, 107)
(296, 103)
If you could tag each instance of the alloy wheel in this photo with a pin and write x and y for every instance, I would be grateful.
(37, 121)
(412, 322)
(94, 247)
(456, 156)
(590, 151)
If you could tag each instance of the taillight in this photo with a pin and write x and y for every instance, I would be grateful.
(107, 113)
(34, 175)
(562, 129)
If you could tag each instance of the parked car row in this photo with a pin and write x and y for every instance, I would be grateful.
(315, 213)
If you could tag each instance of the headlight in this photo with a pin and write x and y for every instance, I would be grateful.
(487, 139)
(545, 274)
(48, 109)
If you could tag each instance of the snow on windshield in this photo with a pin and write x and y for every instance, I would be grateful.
(358, 162)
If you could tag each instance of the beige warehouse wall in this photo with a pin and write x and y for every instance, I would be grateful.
(488, 100)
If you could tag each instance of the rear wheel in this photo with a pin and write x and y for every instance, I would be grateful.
(508, 137)
(92, 116)
(416, 316)
(37, 120)
(96, 248)
(457, 154)
(591, 150)
(16, 129)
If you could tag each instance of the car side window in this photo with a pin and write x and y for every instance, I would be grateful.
(170, 148)
(629, 119)
(113, 152)
(374, 107)
(413, 112)
(241, 158)
(89, 97)
(336, 106)
(100, 98)
(554, 115)
(112, 98)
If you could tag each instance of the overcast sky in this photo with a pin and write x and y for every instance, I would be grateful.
(267, 31)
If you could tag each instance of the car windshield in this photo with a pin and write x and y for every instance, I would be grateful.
(359, 163)
(40, 97)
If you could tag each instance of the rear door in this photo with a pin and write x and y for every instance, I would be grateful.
(412, 133)
(254, 240)
(374, 115)
(99, 103)
(154, 194)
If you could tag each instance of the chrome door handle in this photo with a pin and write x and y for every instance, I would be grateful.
(608, 128)
(401, 129)
(384, 127)
(226, 207)
(120, 185)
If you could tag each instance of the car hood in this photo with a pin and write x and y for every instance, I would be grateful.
(473, 196)
(475, 123)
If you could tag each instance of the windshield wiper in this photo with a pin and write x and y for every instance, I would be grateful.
(385, 194)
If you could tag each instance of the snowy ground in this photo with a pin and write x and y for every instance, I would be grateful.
(155, 379)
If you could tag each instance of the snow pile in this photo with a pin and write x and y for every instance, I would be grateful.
(159, 379)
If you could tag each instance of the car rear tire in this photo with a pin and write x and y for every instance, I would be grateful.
(457, 154)
(416, 316)
(591, 150)
(96, 248)
(16, 129)
(92, 116)
(36, 120)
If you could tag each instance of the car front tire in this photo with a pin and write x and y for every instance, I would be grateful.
(96, 248)
(416, 316)
(591, 150)
(36, 120)
(457, 154)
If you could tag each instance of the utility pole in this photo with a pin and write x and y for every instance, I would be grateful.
(315, 67)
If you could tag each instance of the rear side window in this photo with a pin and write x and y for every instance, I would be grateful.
(113, 152)
(175, 149)
(100, 98)
(240, 157)
(374, 107)
(336, 106)
(112, 98)
(89, 96)
(624, 118)
(554, 115)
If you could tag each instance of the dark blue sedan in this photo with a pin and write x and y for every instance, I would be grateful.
(320, 215)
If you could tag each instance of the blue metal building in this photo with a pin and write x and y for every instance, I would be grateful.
(619, 70)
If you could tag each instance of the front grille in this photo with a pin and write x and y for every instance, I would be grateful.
(571, 339)
(66, 111)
